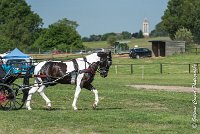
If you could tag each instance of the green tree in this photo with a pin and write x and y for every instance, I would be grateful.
(182, 13)
(61, 35)
(126, 35)
(172, 17)
(184, 34)
(111, 40)
(105, 36)
(159, 31)
(6, 44)
(18, 23)
(140, 34)
(95, 37)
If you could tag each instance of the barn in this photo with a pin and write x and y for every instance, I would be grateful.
(167, 47)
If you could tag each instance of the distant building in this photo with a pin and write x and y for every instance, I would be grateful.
(145, 28)
(167, 47)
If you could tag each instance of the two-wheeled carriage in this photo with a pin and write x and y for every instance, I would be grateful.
(13, 94)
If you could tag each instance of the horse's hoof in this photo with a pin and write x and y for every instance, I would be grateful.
(94, 106)
(75, 108)
(48, 108)
(29, 108)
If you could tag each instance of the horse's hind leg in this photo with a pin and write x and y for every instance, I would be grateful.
(76, 95)
(41, 92)
(30, 93)
(78, 90)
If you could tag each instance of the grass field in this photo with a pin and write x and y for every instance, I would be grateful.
(121, 109)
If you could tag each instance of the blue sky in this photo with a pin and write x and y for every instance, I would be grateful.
(101, 16)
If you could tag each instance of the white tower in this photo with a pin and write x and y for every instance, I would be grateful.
(145, 28)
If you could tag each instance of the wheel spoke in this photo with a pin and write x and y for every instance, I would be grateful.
(8, 97)
(19, 94)
(11, 96)
(5, 104)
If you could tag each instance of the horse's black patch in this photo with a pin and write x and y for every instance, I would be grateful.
(54, 69)
(88, 77)
(101, 54)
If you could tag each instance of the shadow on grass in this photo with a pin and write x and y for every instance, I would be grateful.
(70, 109)
(105, 108)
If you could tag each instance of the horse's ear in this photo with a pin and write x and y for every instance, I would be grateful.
(110, 55)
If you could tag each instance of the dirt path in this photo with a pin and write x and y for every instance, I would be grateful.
(166, 88)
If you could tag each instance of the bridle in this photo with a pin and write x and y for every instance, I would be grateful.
(101, 68)
(107, 64)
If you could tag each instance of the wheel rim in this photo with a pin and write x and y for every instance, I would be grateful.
(7, 97)
(19, 96)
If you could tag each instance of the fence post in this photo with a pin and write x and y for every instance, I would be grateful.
(161, 71)
(116, 69)
(131, 68)
(189, 68)
(196, 51)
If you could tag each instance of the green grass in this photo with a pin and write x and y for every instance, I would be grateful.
(99, 44)
(121, 109)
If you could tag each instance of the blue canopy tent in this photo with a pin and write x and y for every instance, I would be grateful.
(17, 61)
(16, 54)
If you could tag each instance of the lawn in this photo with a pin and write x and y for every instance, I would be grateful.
(121, 109)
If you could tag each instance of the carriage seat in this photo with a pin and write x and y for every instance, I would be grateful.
(7, 78)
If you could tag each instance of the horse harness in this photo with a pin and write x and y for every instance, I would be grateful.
(52, 73)
(89, 73)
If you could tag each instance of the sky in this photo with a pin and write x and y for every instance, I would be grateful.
(101, 16)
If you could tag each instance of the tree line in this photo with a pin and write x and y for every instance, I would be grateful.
(119, 36)
(181, 20)
(22, 28)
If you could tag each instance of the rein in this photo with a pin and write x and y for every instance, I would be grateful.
(85, 60)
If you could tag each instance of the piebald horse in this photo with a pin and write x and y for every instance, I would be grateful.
(80, 71)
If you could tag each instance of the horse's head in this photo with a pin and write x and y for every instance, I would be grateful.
(104, 63)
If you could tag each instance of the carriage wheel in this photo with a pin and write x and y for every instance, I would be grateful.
(20, 96)
(7, 97)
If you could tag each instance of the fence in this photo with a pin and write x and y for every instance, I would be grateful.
(193, 50)
(159, 68)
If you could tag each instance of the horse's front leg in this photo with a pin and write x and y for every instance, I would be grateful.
(96, 98)
(94, 90)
